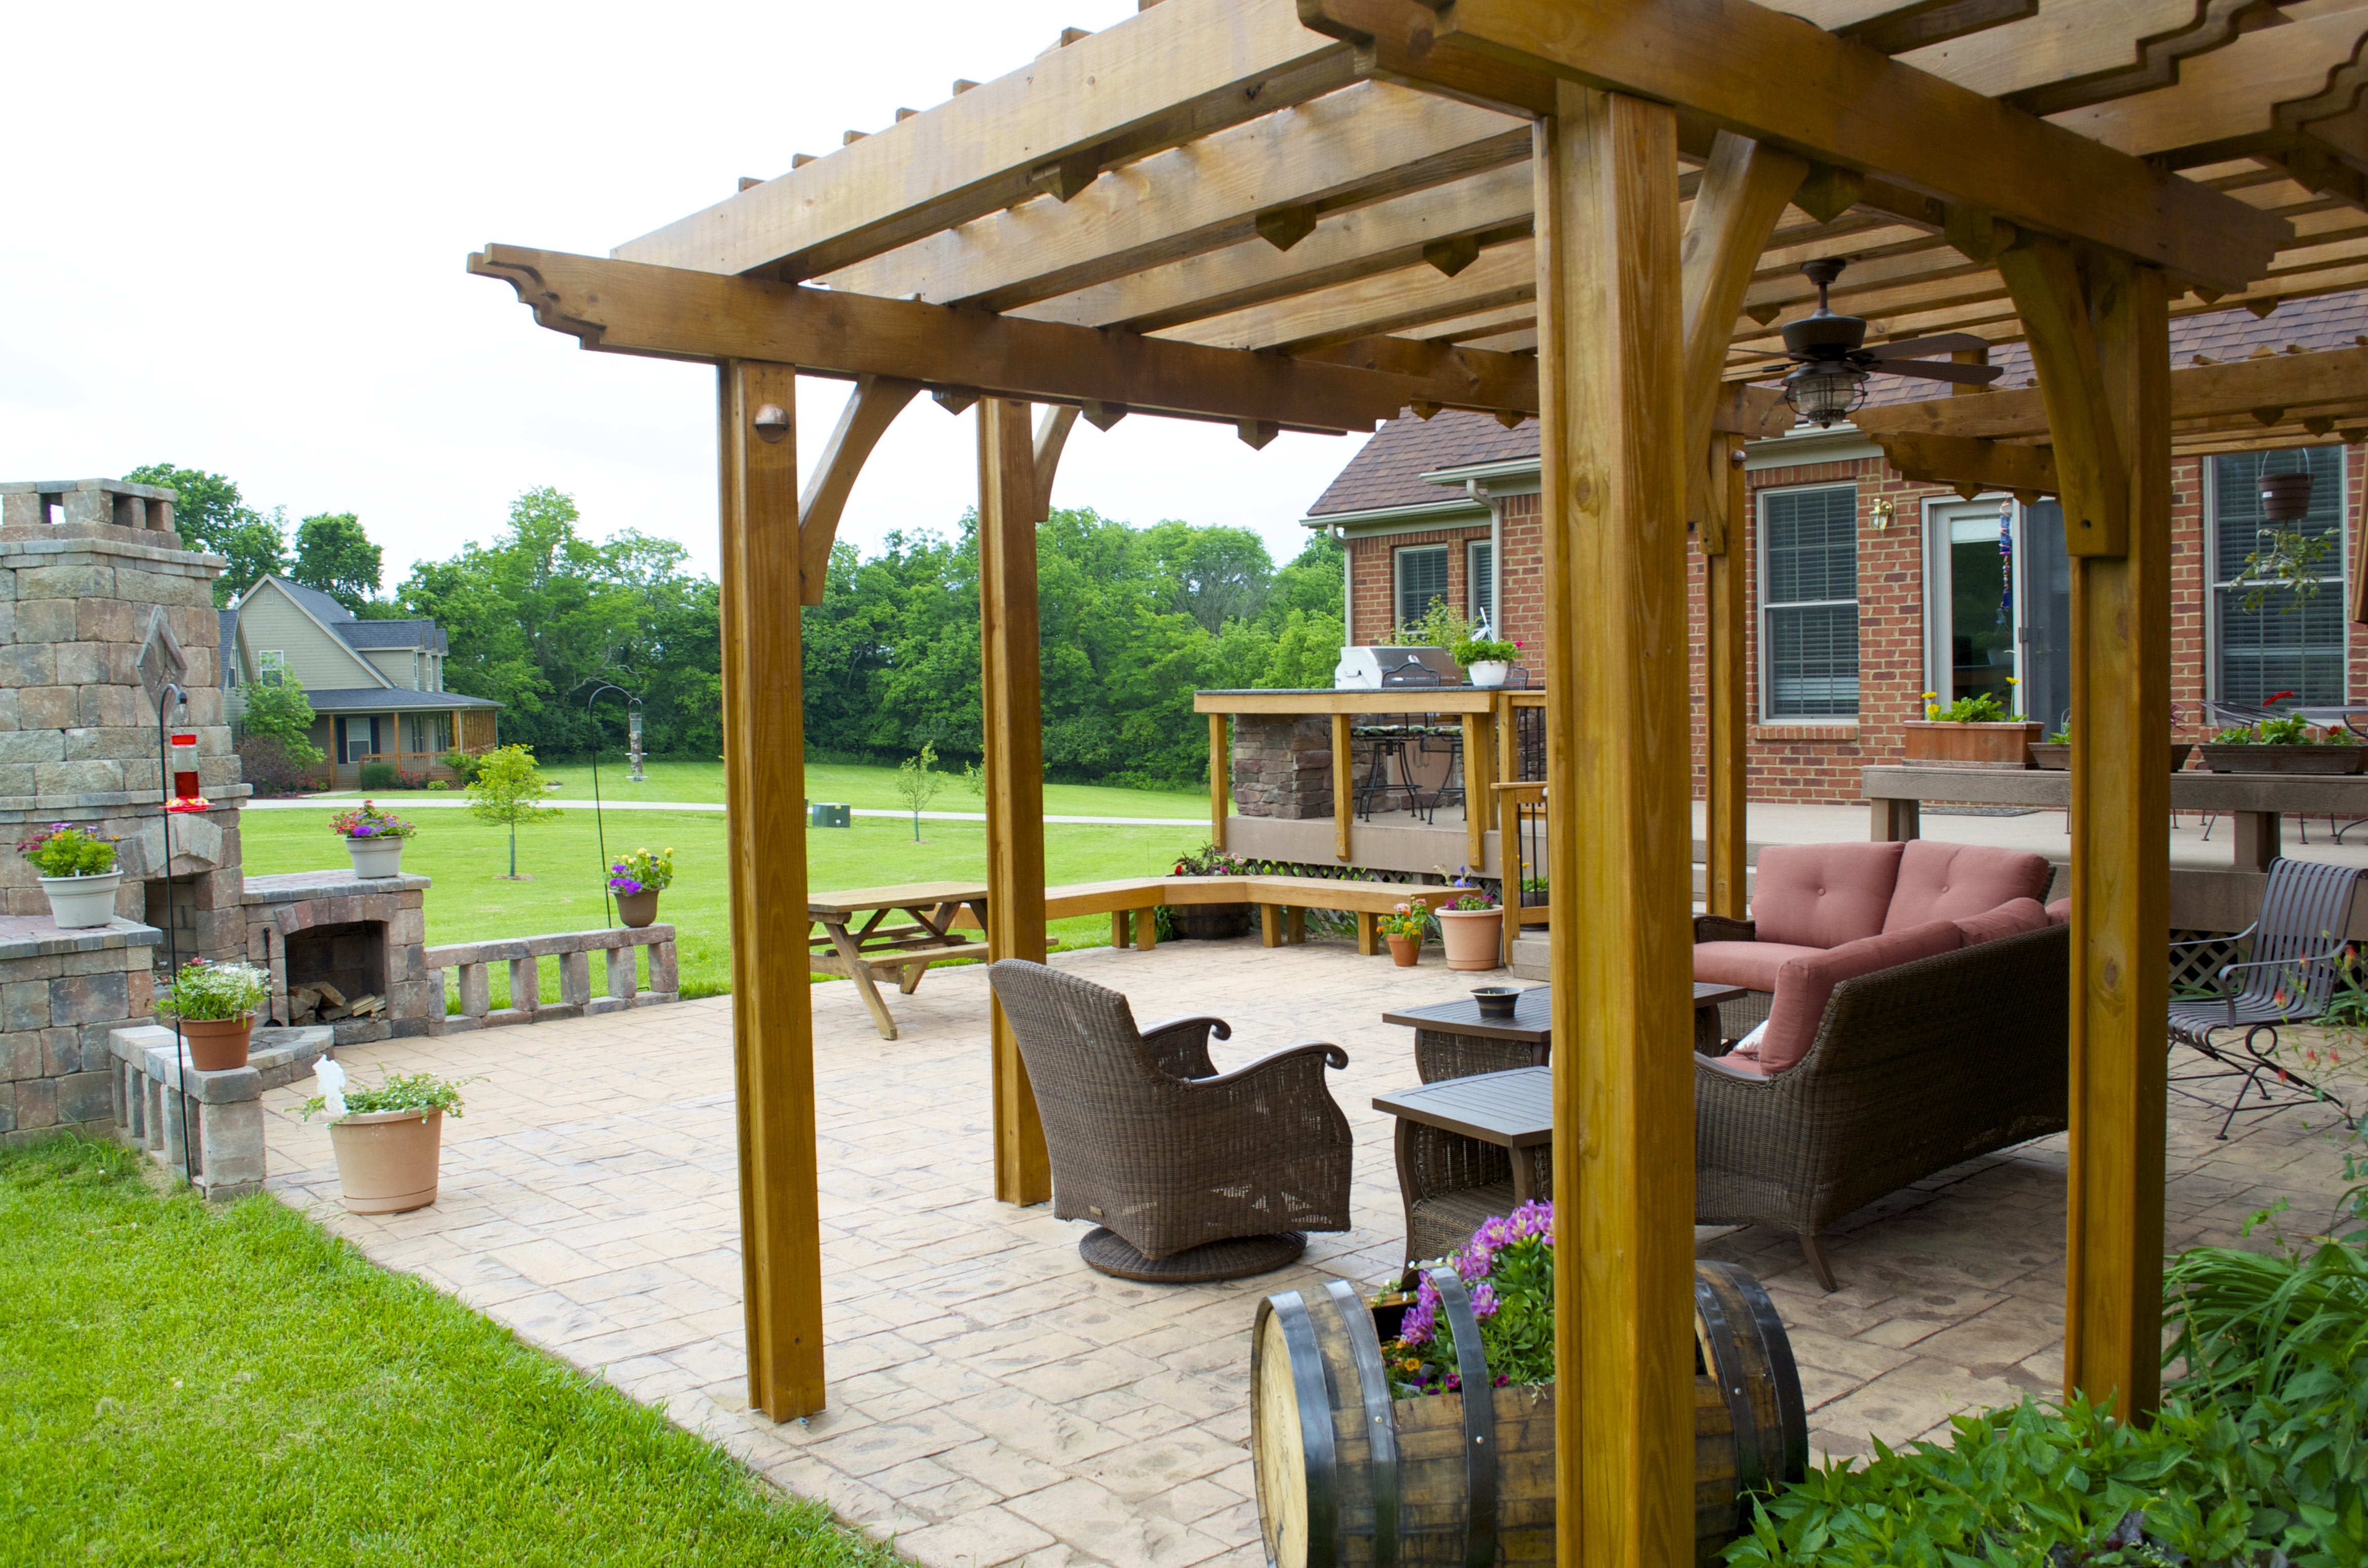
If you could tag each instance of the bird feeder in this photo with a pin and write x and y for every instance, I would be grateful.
(184, 755)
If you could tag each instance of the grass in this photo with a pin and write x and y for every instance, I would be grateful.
(471, 901)
(870, 788)
(185, 1385)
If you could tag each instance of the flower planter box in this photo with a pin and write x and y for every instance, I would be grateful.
(2056, 757)
(2284, 759)
(78, 903)
(1940, 742)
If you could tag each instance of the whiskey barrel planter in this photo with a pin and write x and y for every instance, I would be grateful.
(1346, 1475)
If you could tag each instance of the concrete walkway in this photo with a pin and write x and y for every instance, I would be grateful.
(992, 1399)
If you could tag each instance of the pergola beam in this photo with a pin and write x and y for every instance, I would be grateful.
(670, 313)
(1761, 74)
(2334, 378)
(871, 408)
(1973, 465)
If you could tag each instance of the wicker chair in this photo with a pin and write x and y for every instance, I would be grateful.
(1188, 1174)
(1913, 1069)
(2297, 942)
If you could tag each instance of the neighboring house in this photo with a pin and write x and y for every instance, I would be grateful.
(1867, 590)
(376, 686)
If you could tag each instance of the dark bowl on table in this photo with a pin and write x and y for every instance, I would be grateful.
(1496, 1001)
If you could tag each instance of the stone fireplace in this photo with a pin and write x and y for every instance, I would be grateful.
(343, 951)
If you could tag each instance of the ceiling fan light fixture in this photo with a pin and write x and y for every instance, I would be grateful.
(1825, 391)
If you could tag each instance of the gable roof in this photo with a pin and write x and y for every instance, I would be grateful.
(1387, 471)
(342, 623)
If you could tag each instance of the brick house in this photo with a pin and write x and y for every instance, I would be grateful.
(1867, 590)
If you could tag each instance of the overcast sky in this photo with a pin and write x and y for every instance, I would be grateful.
(233, 237)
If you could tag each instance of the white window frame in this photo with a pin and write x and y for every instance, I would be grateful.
(1397, 580)
(1480, 581)
(2337, 581)
(271, 666)
(1765, 610)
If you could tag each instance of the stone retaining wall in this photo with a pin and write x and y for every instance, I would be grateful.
(61, 995)
(1282, 766)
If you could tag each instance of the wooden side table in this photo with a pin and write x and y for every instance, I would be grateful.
(1469, 1148)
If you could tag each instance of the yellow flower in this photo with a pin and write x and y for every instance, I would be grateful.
(2014, 680)
(1930, 695)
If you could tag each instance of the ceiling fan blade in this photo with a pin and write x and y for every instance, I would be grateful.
(1941, 370)
(1918, 347)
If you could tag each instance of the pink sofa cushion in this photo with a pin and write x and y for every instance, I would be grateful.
(1948, 881)
(1804, 984)
(1749, 964)
(1821, 895)
(2011, 918)
(2060, 913)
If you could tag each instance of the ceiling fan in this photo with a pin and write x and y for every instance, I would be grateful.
(1828, 365)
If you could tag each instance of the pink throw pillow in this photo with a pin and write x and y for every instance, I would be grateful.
(1821, 895)
(2060, 913)
(1803, 985)
(2011, 918)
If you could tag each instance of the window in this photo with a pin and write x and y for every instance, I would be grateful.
(1479, 571)
(428, 731)
(1423, 577)
(1808, 596)
(271, 666)
(2289, 644)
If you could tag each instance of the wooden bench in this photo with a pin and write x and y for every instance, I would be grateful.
(1283, 904)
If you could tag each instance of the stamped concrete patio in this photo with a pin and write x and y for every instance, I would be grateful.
(994, 1400)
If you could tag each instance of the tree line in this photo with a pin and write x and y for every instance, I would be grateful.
(539, 617)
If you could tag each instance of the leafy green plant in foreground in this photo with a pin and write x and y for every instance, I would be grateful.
(232, 1385)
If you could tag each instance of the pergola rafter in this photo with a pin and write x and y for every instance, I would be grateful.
(1314, 213)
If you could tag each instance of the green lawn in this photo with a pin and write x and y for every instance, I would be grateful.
(234, 1386)
(870, 788)
(471, 902)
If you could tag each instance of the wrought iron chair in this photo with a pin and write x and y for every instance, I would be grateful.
(1188, 1174)
(2298, 942)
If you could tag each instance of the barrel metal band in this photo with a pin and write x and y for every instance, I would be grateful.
(1381, 1418)
(1727, 1370)
(1792, 1412)
(1312, 1382)
(1479, 1421)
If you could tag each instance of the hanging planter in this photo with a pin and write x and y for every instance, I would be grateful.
(2285, 497)
(637, 879)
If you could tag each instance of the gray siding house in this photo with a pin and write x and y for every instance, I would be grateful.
(376, 686)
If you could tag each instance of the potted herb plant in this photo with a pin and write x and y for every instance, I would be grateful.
(1470, 926)
(1486, 660)
(387, 1139)
(374, 838)
(1972, 731)
(78, 874)
(215, 1005)
(1403, 928)
(1211, 922)
(2287, 744)
(637, 879)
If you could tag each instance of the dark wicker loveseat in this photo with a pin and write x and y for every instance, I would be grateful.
(1190, 1174)
(1912, 1070)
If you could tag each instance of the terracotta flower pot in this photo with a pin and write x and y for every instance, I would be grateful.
(638, 909)
(1404, 950)
(1469, 936)
(1941, 743)
(217, 1045)
(386, 1159)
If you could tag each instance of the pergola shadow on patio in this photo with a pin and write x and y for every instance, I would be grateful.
(992, 1397)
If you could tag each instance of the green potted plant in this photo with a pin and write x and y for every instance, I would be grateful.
(1211, 922)
(215, 1006)
(374, 838)
(1471, 926)
(637, 879)
(1488, 659)
(78, 874)
(1403, 928)
(2287, 744)
(2053, 755)
(1972, 731)
(388, 1139)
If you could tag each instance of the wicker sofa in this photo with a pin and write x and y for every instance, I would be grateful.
(1811, 898)
(1908, 1070)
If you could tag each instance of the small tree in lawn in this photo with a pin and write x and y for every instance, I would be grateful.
(506, 791)
(917, 785)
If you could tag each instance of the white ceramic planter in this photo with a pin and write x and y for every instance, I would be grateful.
(376, 856)
(78, 903)
(1489, 672)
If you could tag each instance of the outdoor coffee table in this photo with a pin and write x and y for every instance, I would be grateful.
(902, 952)
(1469, 1148)
(1453, 1040)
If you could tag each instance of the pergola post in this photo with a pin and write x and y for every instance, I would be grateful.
(1726, 853)
(772, 1007)
(1011, 693)
(1617, 763)
(2100, 339)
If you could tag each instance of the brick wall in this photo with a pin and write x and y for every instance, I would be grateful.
(1373, 565)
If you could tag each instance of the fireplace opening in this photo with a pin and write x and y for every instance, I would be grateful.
(336, 972)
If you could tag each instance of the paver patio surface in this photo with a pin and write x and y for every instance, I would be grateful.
(992, 1399)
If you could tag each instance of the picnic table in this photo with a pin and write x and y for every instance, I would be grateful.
(903, 952)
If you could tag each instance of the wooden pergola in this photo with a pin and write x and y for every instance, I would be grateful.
(1313, 215)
